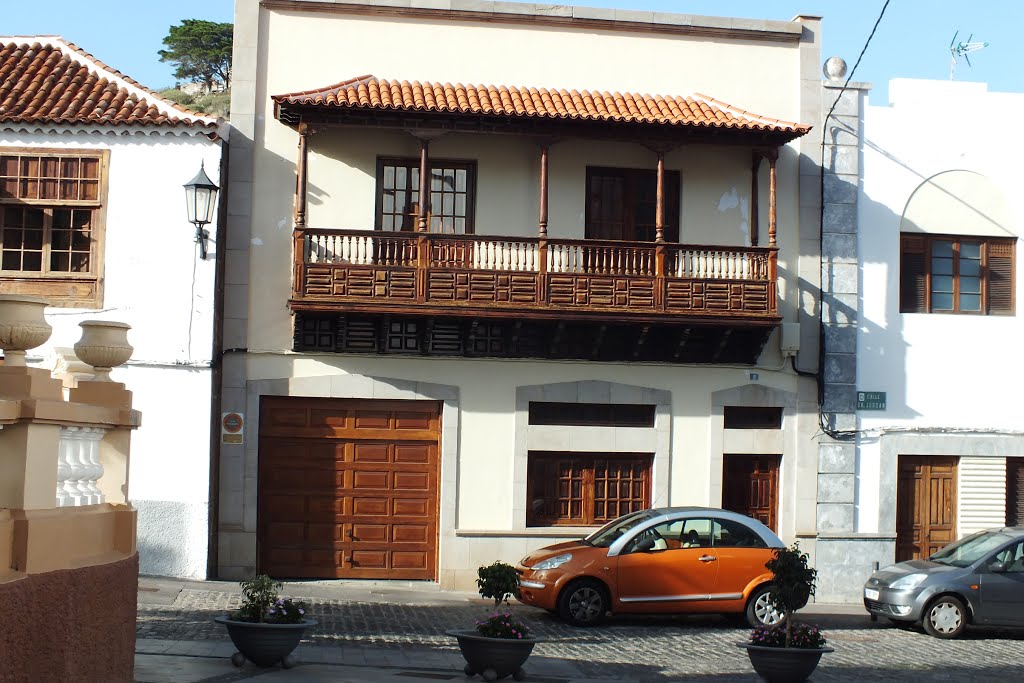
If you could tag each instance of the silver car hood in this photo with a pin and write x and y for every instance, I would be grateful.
(884, 577)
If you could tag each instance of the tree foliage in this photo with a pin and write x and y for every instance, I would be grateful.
(200, 51)
(793, 583)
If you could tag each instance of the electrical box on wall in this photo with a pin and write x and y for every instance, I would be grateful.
(789, 339)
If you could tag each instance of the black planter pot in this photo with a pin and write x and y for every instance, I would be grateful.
(784, 664)
(494, 658)
(264, 644)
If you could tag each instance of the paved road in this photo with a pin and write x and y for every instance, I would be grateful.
(396, 629)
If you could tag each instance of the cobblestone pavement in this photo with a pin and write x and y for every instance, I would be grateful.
(644, 649)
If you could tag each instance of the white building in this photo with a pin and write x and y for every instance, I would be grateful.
(942, 455)
(595, 313)
(91, 205)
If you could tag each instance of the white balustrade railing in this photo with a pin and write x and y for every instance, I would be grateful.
(78, 466)
(360, 250)
(569, 257)
(718, 264)
(506, 255)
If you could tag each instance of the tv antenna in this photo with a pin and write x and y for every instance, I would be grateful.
(957, 50)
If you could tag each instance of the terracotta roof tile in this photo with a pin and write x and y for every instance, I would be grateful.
(369, 92)
(53, 81)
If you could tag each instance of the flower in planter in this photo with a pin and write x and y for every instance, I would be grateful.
(261, 603)
(502, 625)
(803, 636)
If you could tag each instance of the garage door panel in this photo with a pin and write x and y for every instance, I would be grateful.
(416, 421)
(412, 481)
(372, 419)
(370, 453)
(411, 507)
(408, 560)
(369, 506)
(348, 488)
(370, 480)
(413, 454)
(370, 533)
(285, 508)
(409, 533)
(370, 559)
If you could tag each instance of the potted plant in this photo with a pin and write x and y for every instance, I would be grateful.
(499, 581)
(266, 628)
(790, 651)
(498, 647)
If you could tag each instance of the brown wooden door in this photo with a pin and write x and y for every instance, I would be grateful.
(750, 486)
(925, 505)
(348, 488)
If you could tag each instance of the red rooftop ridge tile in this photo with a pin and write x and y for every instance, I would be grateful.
(370, 92)
(53, 81)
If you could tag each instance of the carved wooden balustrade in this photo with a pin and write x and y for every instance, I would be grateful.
(375, 271)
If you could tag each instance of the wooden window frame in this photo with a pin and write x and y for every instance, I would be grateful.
(64, 289)
(589, 504)
(916, 273)
(412, 163)
(631, 178)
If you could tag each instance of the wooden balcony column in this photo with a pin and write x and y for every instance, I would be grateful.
(773, 156)
(542, 219)
(755, 214)
(424, 194)
(299, 233)
(659, 232)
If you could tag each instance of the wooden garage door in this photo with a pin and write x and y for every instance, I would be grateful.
(348, 488)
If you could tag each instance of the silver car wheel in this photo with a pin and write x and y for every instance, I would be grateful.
(945, 617)
(765, 611)
(586, 604)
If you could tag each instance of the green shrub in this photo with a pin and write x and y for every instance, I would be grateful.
(499, 581)
(261, 604)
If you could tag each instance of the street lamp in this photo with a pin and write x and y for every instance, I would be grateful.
(200, 200)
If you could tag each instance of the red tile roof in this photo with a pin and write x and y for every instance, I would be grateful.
(52, 81)
(369, 92)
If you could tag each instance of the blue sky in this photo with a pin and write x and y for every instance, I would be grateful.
(912, 41)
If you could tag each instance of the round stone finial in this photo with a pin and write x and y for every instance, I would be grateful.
(835, 68)
(22, 326)
(104, 345)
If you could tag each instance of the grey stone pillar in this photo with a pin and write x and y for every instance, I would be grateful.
(838, 546)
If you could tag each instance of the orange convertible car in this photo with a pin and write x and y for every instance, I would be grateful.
(668, 560)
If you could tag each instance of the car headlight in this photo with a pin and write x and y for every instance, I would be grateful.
(553, 562)
(908, 582)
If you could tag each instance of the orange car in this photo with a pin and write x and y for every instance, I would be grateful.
(668, 560)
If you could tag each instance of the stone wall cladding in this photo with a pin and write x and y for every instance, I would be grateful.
(70, 625)
(844, 565)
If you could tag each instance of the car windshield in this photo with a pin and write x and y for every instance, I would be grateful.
(610, 532)
(969, 550)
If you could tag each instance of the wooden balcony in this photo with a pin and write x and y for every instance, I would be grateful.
(531, 297)
(494, 277)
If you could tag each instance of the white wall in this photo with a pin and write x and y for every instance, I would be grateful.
(942, 373)
(154, 281)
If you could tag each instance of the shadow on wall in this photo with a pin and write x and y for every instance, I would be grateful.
(172, 538)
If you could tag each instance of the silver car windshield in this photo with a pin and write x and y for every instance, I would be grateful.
(969, 550)
(610, 532)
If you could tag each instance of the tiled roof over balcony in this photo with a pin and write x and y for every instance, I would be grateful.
(44, 79)
(700, 111)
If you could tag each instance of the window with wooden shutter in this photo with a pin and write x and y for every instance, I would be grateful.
(583, 489)
(952, 274)
(913, 275)
(1015, 492)
(52, 205)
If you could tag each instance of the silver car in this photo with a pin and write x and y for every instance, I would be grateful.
(976, 580)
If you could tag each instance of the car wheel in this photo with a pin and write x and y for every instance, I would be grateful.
(761, 612)
(583, 603)
(945, 618)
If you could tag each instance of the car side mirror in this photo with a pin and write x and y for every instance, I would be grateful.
(645, 544)
(998, 567)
